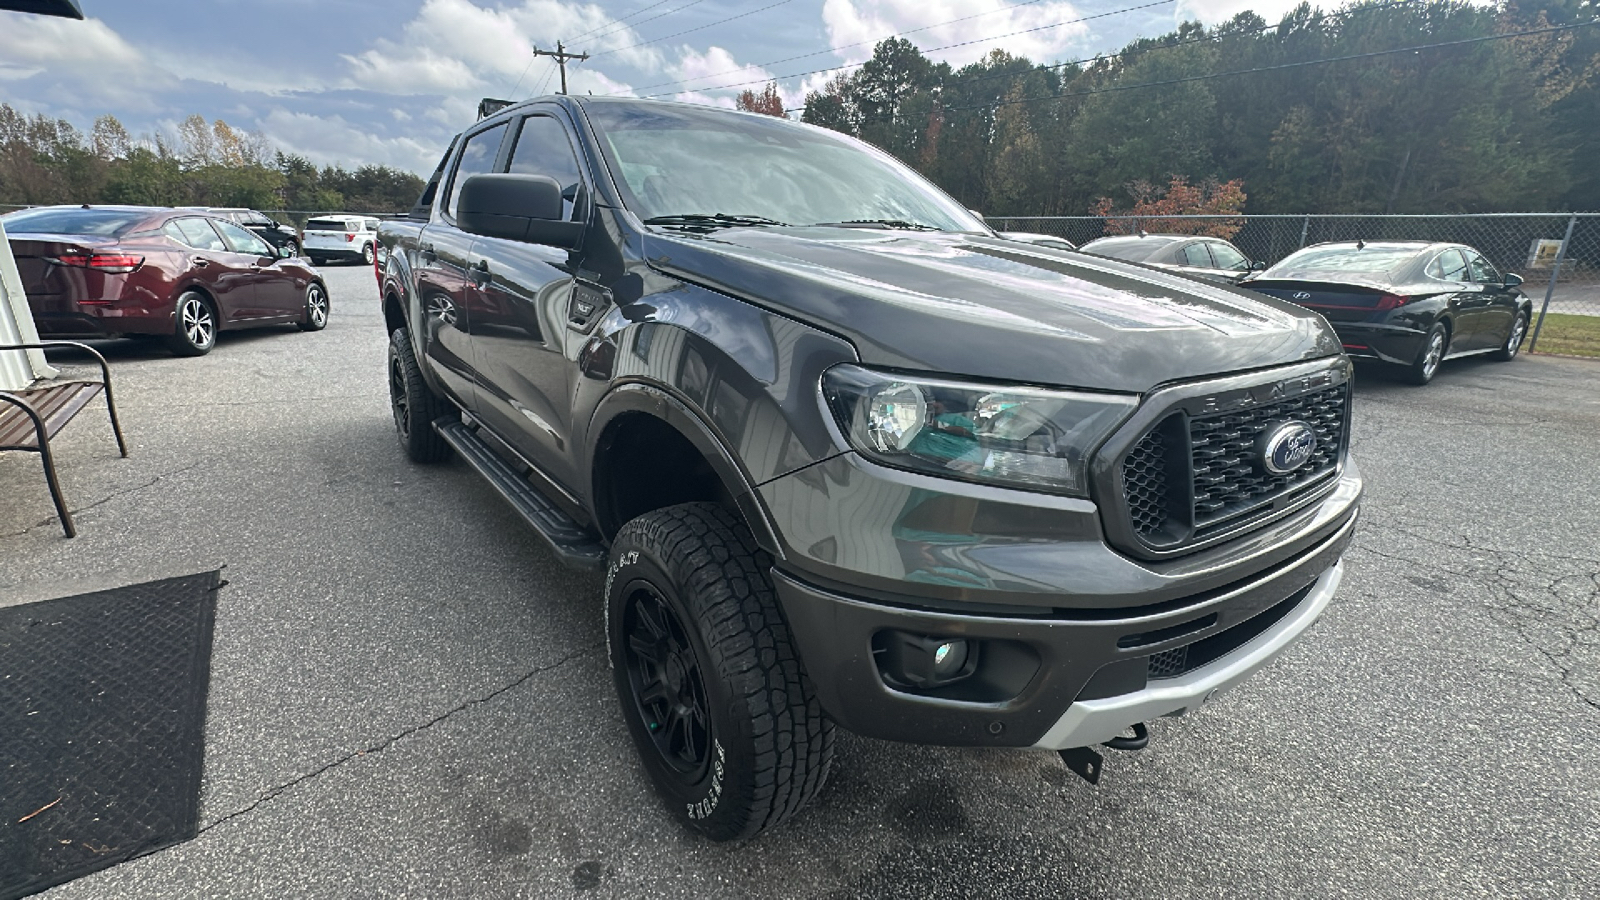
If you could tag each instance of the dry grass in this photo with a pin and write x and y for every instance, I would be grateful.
(1570, 335)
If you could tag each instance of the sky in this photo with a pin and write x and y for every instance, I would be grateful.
(353, 82)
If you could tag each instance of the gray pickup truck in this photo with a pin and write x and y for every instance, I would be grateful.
(846, 457)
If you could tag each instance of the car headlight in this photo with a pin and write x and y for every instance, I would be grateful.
(1015, 436)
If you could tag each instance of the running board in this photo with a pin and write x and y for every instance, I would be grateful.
(575, 545)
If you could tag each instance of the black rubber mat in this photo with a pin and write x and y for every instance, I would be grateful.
(102, 727)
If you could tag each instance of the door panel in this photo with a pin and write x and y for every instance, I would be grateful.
(212, 264)
(273, 295)
(447, 299)
(1496, 304)
(519, 340)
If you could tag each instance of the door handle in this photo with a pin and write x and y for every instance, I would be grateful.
(200, 262)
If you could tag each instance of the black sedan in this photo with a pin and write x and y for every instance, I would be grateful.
(1213, 259)
(1411, 303)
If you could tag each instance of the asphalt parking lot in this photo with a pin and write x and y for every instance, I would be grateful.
(410, 698)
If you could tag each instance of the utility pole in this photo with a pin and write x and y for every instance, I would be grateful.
(561, 56)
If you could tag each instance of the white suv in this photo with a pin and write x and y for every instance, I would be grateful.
(338, 236)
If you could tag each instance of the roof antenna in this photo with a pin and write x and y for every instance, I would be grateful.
(1360, 244)
(1142, 233)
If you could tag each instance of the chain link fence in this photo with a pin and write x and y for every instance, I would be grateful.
(1558, 255)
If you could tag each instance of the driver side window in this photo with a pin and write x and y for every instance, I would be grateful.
(1482, 271)
(1195, 255)
(1229, 258)
(543, 149)
(241, 241)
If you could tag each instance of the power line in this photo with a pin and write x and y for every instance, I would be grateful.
(1115, 12)
(608, 27)
(692, 30)
(1275, 68)
(837, 49)
(611, 31)
(614, 22)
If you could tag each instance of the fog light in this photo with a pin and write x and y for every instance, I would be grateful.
(919, 662)
(949, 658)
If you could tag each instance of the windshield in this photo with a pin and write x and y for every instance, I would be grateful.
(74, 220)
(676, 161)
(1347, 260)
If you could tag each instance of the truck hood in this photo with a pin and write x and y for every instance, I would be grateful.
(988, 308)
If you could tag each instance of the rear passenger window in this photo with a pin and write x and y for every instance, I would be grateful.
(477, 158)
(171, 230)
(198, 234)
(1195, 255)
(543, 149)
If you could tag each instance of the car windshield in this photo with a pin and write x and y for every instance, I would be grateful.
(1370, 260)
(74, 220)
(677, 161)
(327, 225)
(1132, 249)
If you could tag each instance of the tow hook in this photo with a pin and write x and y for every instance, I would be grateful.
(1087, 762)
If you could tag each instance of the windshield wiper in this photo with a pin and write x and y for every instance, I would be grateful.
(713, 220)
(881, 223)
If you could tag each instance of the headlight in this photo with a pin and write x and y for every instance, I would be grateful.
(1016, 436)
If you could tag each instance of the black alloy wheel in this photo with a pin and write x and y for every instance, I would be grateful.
(668, 691)
(195, 330)
(1519, 330)
(317, 308)
(726, 723)
(1434, 347)
(414, 404)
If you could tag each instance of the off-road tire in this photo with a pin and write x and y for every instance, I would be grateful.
(195, 325)
(1519, 332)
(414, 404)
(1430, 357)
(317, 308)
(769, 745)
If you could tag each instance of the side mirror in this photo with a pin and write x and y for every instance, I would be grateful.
(1512, 279)
(523, 208)
(1257, 266)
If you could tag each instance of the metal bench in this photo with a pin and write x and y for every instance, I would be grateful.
(29, 418)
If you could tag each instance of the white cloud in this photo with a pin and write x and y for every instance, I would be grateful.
(90, 63)
(1212, 12)
(459, 47)
(333, 140)
(856, 25)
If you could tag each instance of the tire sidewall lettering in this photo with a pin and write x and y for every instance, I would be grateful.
(703, 808)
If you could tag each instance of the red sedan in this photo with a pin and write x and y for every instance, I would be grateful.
(181, 275)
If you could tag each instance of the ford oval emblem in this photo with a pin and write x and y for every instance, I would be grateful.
(1302, 295)
(1287, 447)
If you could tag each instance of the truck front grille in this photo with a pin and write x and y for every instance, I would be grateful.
(1192, 476)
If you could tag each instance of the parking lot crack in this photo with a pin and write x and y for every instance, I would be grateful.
(391, 740)
(133, 489)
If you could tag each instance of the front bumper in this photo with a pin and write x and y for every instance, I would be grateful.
(1089, 722)
(1064, 678)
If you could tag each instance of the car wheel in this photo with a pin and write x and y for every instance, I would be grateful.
(316, 308)
(1519, 330)
(196, 330)
(367, 254)
(725, 720)
(1428, 359)
(294, 249)
(414, 404)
